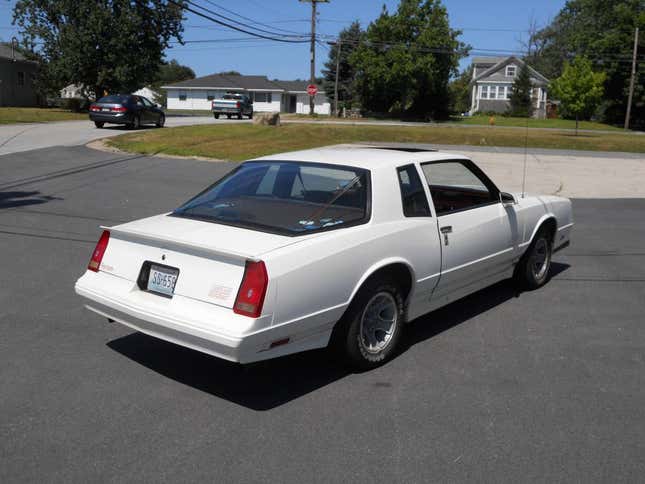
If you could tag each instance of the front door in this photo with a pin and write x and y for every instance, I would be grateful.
(478, 233)
(292, 103)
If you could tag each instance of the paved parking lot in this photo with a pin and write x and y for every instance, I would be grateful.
(542, 386)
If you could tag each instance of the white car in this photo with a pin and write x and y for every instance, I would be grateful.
(331, 246)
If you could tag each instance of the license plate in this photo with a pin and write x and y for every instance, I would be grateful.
(105, 110)
(162, 280)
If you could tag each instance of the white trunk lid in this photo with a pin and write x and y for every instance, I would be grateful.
(210, 257)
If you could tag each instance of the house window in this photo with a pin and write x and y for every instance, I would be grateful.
(210, 96)
(492, 91)
(182, 95)
(262, 97)
(510, 71)
(484, 92)
(21, 78)
(509, 90)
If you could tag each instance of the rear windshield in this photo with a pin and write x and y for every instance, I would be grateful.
(114, 99)
(232, 96)
(290, 198)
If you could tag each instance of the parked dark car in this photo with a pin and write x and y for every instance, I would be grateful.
(128, 109)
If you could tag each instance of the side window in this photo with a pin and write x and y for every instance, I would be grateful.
(454, 187)
(413, 197)
(147, 102)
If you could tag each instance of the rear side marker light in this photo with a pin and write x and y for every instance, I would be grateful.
(99, 251)
(250, 296)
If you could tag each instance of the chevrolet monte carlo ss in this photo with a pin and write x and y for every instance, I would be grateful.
(334, 247)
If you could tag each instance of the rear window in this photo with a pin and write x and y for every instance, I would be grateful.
(232, 96)
(290, 198)
(114, 99)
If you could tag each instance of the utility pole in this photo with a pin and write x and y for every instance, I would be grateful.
(338, 45)
(312, 67)
(631, 82)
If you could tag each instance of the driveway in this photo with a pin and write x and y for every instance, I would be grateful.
(542, 386)
(15, 138)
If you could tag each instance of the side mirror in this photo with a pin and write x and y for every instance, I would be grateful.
(507, 198)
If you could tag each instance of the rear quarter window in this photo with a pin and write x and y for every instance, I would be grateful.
(413, 196)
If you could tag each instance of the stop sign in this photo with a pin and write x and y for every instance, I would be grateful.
(312, 90)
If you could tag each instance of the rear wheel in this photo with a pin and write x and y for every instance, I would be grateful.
(136, 122)
(239, 116)
(99, 124)
(370, 330)
(162, 120)
(228, 116)
(533, 269)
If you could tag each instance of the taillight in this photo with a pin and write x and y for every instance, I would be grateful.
(238, 104)
(99, 250)
(250, 296)
(94, 107)
(119, 109)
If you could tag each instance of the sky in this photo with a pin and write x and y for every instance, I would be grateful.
(493, 27)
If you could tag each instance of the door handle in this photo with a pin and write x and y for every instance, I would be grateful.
(445, 231)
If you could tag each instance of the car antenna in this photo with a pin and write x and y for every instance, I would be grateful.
(526, 147)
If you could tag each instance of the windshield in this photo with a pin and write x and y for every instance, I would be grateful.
(291, 198)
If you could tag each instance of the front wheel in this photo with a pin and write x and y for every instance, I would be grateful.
(161, 121)
(228, 116)
(99, 124)
(532, 271)
(251, 115)
(370, 330)
(216, 115)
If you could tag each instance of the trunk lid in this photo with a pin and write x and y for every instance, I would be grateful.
(210, 257)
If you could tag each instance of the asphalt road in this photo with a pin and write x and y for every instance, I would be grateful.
(544, 386)
(15, 138)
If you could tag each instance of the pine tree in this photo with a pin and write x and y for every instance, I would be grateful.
(520, 98)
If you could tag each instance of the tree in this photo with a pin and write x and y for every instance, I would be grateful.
(579, 88)
(349, 40)
(520, 98)
(460, 92)
(406, 61)
(106, 45)
(169, 73)
(603, 32)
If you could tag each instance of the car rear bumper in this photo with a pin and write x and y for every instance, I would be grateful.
(204, 327)
(119, 118)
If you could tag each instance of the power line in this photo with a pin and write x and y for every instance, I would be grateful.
(210, 2)
(233, 27)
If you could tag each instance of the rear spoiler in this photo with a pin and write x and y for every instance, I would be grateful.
(182, 243)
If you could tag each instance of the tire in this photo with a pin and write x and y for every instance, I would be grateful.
(532, 271)
(161, 122)
(228, 116)
(251, 115)
(99, 124)
(216, 116)
(239, 116)
(136, 123)
(352, 339)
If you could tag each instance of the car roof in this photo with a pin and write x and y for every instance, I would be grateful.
(369, 157)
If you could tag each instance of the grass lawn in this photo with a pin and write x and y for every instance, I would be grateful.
(37, 115)
(189, 112)
(243, 141)
(481, 119)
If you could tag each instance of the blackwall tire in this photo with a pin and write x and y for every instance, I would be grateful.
(369, 332)
(533, 268)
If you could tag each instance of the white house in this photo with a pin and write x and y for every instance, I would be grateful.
(267, 96)
(492, 82)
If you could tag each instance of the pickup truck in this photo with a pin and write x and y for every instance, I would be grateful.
(232, 105)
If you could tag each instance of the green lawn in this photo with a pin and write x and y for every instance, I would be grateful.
(481, 119)
(243, 141)
(37, 115)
